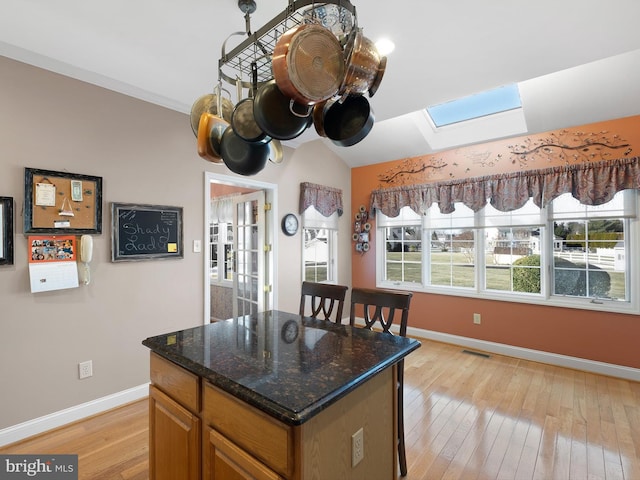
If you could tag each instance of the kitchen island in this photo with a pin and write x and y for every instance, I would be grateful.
(274, 396)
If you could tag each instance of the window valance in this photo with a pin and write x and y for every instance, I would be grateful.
(590, 183)
(326, 200)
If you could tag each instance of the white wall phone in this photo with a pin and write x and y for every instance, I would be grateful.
(86, 254)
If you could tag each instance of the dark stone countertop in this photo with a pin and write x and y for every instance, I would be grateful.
(287, 366)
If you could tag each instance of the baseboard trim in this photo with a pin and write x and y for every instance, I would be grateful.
(39, 425)
(57, 419)
(575, 363)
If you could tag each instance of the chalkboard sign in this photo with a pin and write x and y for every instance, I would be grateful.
(145, 232)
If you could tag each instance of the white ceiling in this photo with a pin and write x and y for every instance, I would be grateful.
(577, 61)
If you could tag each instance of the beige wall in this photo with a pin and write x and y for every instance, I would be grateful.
(145, 154)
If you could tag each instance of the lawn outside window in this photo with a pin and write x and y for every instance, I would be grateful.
(565, 254)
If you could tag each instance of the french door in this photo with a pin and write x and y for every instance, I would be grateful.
(249, 290)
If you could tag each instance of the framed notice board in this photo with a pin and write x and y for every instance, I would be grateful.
(145, 232)
(61, 202)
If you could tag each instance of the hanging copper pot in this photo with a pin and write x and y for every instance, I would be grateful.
(308, 64)
(363, 71)
(378, 78)
(318, 116)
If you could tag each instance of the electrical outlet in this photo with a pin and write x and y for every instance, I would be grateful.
(357, 447)
(477, 318)
(85, 369)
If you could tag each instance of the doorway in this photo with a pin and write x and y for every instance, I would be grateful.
(240, 246)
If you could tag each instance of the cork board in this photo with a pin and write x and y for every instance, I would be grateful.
(61, 202)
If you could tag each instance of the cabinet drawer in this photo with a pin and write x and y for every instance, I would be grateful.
(226, 461)
(175, 381)
(257, 433)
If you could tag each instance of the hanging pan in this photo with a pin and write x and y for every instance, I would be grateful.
(277, 115)
(243, 119)
(364, 66)
(308, 63)
(212, 103)
(210, 130)
(348, 122)
(242, 157)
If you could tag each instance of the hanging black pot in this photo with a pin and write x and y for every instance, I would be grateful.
(347, 123)
(279, 116)
(242, 157)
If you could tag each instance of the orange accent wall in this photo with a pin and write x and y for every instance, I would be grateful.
(604, 337)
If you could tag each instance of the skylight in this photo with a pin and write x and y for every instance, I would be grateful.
(482, 104)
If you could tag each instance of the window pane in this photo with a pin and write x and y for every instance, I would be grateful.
(403, 254)
(316, 254)
(513, 259)
(452, 259)
(589, 258)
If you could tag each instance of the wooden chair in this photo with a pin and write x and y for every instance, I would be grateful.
(380, 309)
(325, 299)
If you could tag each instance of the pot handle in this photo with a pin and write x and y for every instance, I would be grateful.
(292, 102)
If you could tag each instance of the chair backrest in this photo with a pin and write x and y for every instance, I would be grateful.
(380, 306)
(325, 299)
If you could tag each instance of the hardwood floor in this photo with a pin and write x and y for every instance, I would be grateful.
(466, 417)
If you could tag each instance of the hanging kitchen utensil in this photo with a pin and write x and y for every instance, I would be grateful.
(362, 65)
(276, 152)
(210, 130)
(242, 157)
(349, 121)
(333, 17)
(308, 64)
(378, 78)
(209, 103)
(243, 119)
(277, 115)
(318, 117)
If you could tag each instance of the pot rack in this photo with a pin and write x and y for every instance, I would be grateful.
(236, 65)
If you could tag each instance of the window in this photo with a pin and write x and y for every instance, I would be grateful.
(319, 236)
(221, 245)
(568, 254)
(482, 104)
(591, 248)
(403, 247)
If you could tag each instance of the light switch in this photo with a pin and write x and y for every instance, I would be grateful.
(197, 246)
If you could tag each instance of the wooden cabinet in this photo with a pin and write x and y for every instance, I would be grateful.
(224, 460)
(175, 430)
(198, 431)
(262, 438)
(174, 439)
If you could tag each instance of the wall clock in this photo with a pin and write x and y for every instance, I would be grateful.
(289, 224)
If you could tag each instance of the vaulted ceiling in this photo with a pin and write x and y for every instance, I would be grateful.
(576, 61)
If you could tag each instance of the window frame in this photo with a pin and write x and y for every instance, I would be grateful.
(546, 296)
(220, 249)
(314, 221)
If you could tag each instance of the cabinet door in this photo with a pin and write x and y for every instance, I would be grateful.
(174, 439)
(226, 461)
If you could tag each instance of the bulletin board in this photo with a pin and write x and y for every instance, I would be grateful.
(61, 202)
